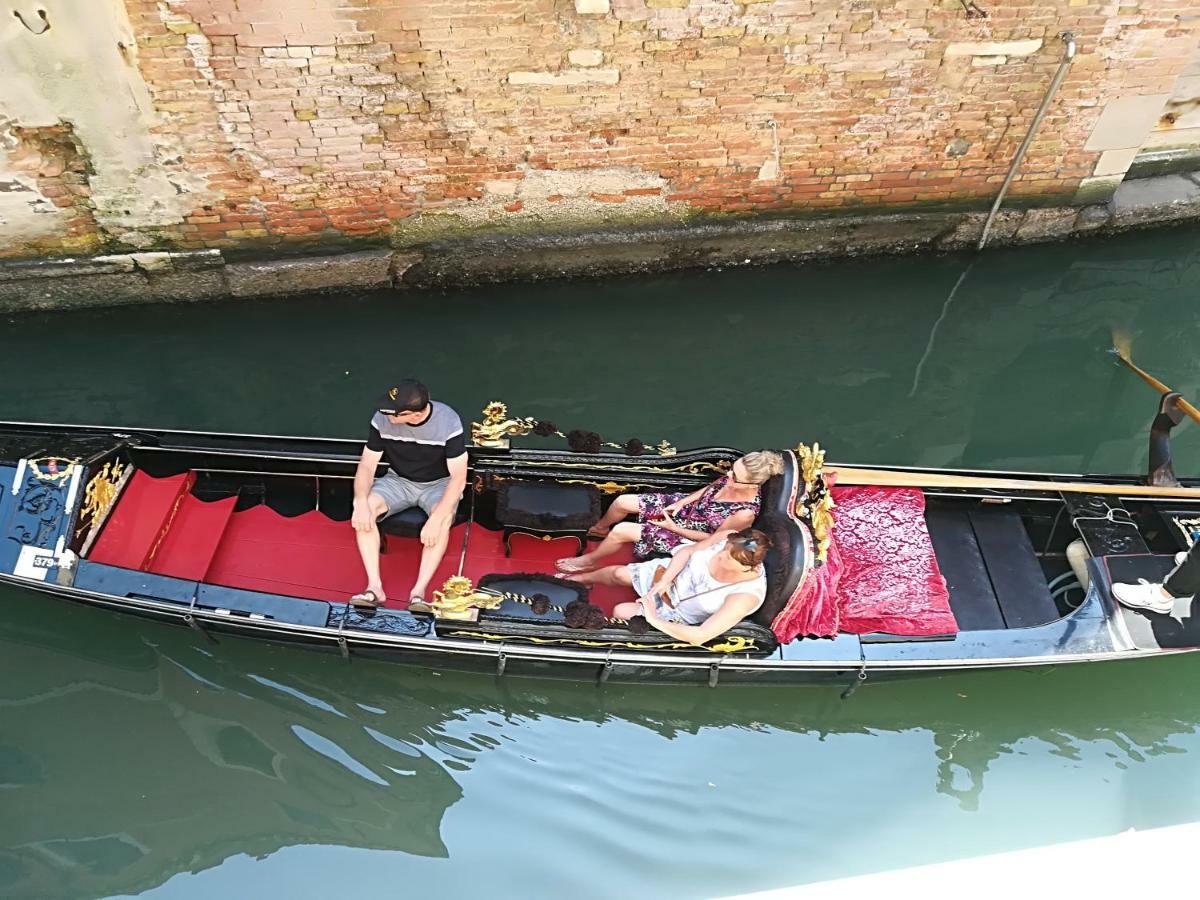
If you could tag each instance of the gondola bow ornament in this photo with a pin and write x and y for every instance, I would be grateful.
(815, 503)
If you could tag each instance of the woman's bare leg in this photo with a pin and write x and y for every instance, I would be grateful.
(614, 576)
(627, 610)
(624, 533)
(623, 506)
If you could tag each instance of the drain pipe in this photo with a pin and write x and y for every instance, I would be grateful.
(1055, 82)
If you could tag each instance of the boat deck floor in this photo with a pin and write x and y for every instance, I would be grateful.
(991, 569)
(310, 555)
(1149, 630)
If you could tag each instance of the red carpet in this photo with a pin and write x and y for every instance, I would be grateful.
(157, 527)
(313, 556)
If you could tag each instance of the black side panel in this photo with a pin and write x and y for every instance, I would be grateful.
(272, 606)
(118, 582)
(971, 595)
(1016, 575)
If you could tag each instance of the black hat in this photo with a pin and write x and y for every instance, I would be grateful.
(406, 396)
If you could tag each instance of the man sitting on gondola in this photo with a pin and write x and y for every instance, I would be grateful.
(427, 461)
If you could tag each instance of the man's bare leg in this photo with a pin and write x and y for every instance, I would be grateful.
(368, 547)
(431, 558)
(624, 533)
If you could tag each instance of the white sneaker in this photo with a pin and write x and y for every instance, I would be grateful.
(1143, 595)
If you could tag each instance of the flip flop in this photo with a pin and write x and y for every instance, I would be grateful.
(366, 600)
(418, 605)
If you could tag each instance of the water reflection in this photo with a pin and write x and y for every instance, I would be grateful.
(136, 753)
(131, 755)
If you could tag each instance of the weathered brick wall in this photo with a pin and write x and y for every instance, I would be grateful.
(282, 121)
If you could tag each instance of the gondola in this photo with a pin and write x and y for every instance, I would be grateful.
(248, 535)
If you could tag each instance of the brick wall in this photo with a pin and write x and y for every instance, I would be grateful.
(285, 121)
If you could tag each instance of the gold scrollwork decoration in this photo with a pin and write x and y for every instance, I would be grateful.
(53, 473)
(100, 493)
(605, 487)
(815, 503)
(734, 643)
(693, 468)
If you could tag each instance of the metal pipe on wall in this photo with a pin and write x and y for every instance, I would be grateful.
(1055, 82)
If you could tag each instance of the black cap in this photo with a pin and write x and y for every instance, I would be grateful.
(408, 395)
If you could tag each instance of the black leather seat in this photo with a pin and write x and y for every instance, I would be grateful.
(790, 540)
(408, 523)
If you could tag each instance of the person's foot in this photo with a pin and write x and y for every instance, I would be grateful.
(371, 598)
(598, 532)
(417, 604)
(1180, 557)
(572, 565)
(1144, 595)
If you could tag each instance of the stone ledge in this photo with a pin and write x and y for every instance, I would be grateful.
(364, 269)
(600, 251)
(1167, 198)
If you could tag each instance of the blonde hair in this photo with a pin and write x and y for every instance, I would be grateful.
(762, 464)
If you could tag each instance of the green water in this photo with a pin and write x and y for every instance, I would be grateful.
(136, 759)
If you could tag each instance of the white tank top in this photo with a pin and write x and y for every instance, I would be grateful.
(696, 579)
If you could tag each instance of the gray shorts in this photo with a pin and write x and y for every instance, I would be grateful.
(400, 494)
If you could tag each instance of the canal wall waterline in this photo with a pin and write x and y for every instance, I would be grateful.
(187, 276)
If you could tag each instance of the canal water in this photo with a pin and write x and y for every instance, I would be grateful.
(136, 760)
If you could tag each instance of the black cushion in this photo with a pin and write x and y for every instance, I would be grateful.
(545, 506)
(409, 522)
(406, 523)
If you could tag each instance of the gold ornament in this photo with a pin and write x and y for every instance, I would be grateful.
(496, 428)
(815, 503)
(54, 477)
(100, 493)
(458, 599)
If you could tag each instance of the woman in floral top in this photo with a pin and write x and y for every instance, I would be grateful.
(666, 521)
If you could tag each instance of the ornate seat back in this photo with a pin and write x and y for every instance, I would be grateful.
(791, 553)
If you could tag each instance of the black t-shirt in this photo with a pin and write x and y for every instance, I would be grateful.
(419, 452)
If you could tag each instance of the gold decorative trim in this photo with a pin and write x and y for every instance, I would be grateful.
(59, 477)
(733, 644)
(815, 504)
(606, 487)
(496, 429)
(694, 468)
(100, 494)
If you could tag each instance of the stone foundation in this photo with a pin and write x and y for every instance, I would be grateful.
(463, 261)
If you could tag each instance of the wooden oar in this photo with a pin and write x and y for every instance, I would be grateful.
(1122, 345)
(848, 476)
